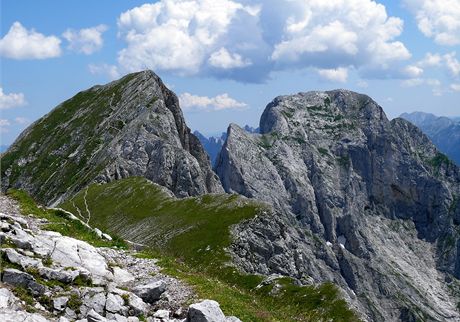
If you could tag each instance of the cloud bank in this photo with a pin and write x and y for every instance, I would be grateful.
(220, 102)
(438, 19)
(87, 40)
(248, 39)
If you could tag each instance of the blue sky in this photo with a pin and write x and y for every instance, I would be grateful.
(227, 59)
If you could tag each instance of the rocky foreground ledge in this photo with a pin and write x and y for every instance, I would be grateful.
(46, 276)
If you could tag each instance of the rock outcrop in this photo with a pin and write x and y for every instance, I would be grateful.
(213, 144)
(364, 202)
(208, 311)
(130, 127)
(49, 277)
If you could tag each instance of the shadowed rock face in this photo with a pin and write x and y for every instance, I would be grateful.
(130, 127)
(367, 203)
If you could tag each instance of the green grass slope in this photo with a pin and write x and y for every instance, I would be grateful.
(43, 155)
(192, 229)
(190, 237)
(61, 222)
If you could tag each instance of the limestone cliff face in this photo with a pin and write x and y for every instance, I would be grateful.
(130, 127)
(360, 200)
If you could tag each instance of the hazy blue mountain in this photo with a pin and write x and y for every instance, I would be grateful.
(3, 148)
(443, 131)
(212, 144)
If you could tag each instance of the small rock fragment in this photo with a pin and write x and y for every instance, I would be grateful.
(205, 311)
(151, 292)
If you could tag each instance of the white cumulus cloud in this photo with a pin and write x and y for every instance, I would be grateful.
(87, 40)
(20, 43)
(178, 35)
(357, 31)
(4, 124)
(421, 81)
(333, 37)
(11, 100)
(452, 64)
(438, 19)
(455, 87)
(225, 60)
(248, 39)
(335, 75)
(413, 71)
(220, 102)
(430, 60)
(21, 120)
(111, 71)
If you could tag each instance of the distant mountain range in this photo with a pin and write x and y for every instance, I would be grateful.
(213, 144)
(443, 131)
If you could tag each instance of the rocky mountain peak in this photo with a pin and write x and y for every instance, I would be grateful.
(343, 178)
(130, 127)
(286, 112)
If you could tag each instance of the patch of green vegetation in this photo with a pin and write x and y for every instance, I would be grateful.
(289, 113)
(74, 302)
(45, 301)
(447, 242)
(299, 140)
(52, 283)
(190, 236)
(61, 222)
(125, 298)
(32, 271)
(24, 295)
(344, 161)
(438, 161)
(265, 142)
(453, 206)
(276, 135)
(8, 243)
(152, 101)
(315, 108)
(82, 281)
(323, 151)
(327, 101)
(47, 261)
(5, 263)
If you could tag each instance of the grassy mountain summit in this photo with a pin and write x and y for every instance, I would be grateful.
(130, 127)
